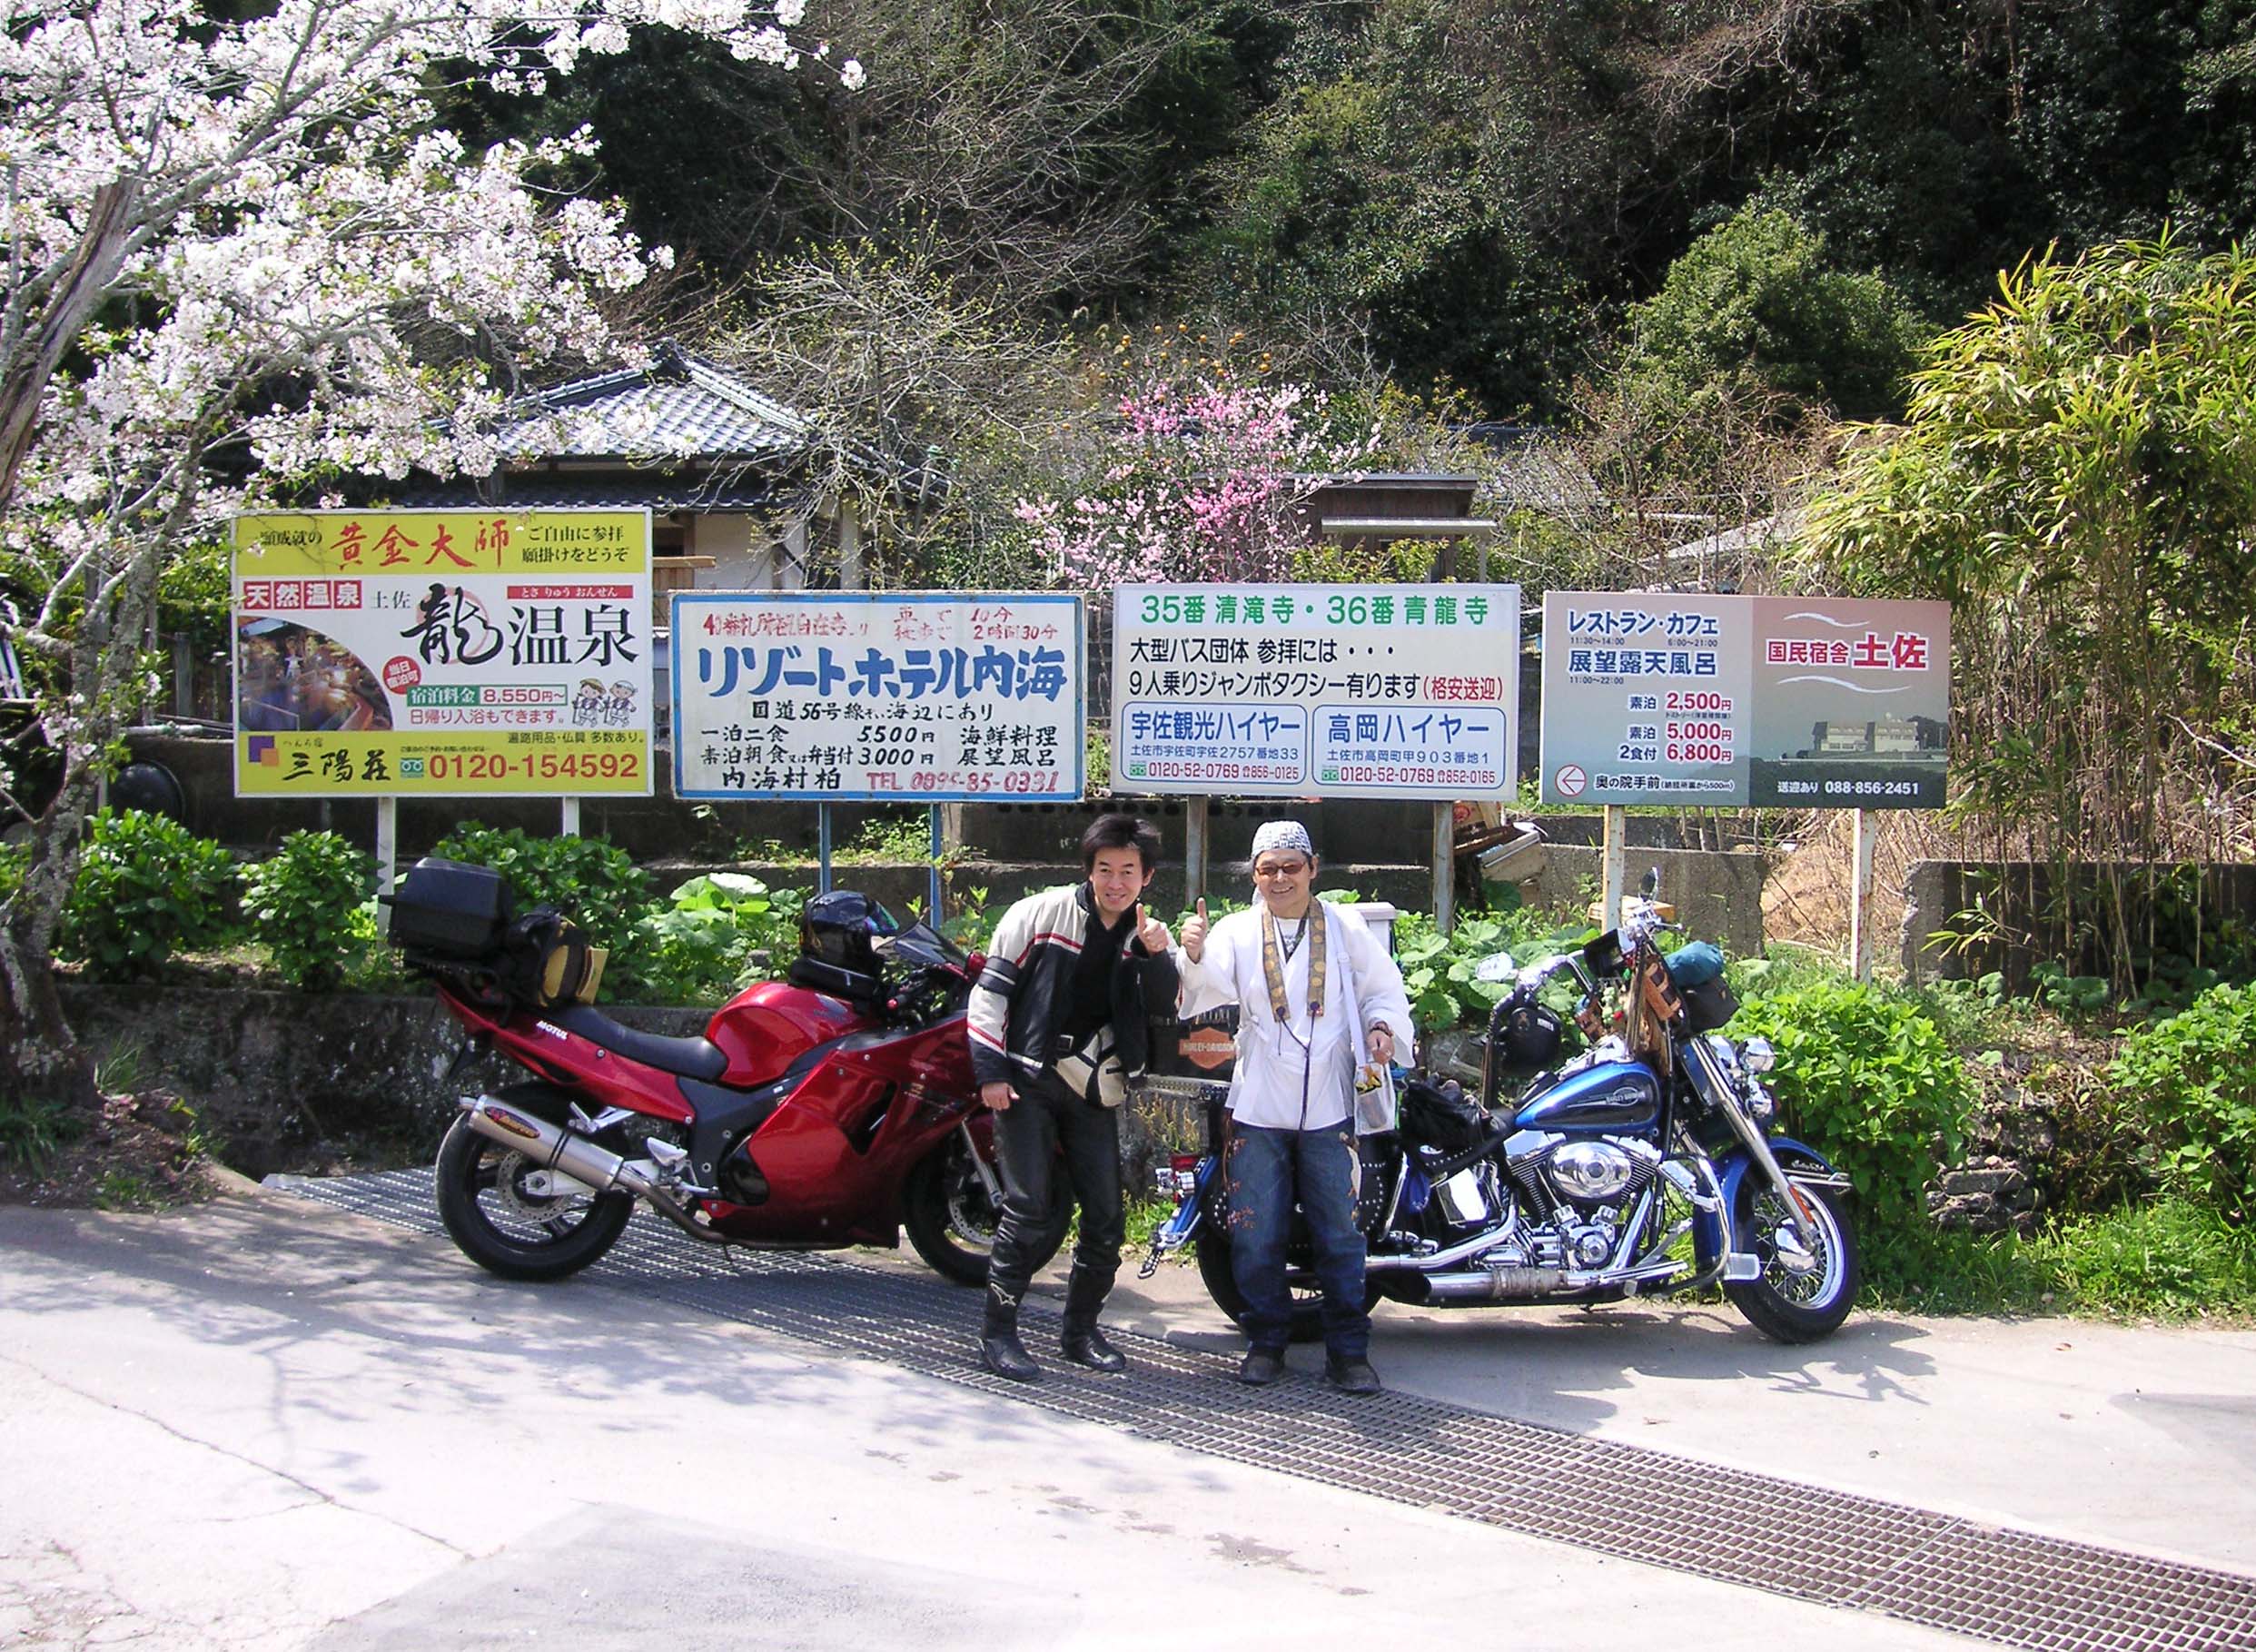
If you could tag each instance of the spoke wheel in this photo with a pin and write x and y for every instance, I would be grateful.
(515, 1220)
(1798, 1299)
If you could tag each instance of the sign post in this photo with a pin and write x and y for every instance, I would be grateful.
(1614, 865)
(1194, 852)
(1860, 896)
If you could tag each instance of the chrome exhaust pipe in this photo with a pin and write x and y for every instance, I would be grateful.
(1501, 1284)
(570, 1153)
(1441, 1258)
(1522, 1284)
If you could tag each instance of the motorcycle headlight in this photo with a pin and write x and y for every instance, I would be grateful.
(1756, 1055)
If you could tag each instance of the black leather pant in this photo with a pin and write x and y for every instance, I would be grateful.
(1028, 1136)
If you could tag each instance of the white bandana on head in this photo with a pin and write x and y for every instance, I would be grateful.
(1285, 835)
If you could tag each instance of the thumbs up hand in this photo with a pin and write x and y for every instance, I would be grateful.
(1152, 933)
(1194, 933)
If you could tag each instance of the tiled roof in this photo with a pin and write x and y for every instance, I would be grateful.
(541, 491)
(682, 407)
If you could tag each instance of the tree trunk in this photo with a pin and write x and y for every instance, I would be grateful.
(39, 1054)
(61, 320)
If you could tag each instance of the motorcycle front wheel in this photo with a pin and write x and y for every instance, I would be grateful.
(1307, 1324)
(951, 1221)
(1788, 1304)
(507, 1229)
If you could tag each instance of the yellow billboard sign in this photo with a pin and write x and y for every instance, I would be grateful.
(442, 653)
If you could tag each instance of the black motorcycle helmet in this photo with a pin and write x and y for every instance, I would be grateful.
(1529, 1043)
(837, 932)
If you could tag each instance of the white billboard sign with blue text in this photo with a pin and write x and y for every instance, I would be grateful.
(901, 697)
(1316, 690)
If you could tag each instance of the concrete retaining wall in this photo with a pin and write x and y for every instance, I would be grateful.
(1718, 897)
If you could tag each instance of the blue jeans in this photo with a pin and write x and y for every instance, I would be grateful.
(1265, 1172)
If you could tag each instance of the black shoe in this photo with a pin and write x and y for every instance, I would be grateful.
(1000, 1351)
(1004, 1354)
(1085, 1345)
(1260, 1367)
(1352, 1376)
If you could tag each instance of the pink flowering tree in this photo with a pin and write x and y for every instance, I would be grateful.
(1198, 484)
(243, 234)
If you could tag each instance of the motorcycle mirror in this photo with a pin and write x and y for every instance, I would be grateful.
(1649, 884)
(1498, 966)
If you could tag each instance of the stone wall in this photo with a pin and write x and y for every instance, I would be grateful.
(300, 1080)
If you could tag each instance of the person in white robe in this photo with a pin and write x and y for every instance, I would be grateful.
(1321, 1004)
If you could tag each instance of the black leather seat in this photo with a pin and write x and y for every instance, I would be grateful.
(683, 1057)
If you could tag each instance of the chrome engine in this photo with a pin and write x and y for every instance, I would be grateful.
(1555, 1218)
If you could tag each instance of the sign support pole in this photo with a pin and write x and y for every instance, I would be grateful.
(822, 848)
(1614, 861)
(572, 817)
(939, 846)
(1194, 851)
(1860, 894)
(1444, 867)
(387, 855)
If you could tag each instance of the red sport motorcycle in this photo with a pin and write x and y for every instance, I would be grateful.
(832, 1108)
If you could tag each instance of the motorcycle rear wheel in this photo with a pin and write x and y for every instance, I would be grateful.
(1307, 1324)
(951, 1221)
(510, 1233)
(1786, 1306)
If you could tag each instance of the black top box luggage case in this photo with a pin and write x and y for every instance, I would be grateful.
(448, 910)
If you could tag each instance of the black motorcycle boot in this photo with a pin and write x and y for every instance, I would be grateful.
(1083, 1342)
(1000, 1351)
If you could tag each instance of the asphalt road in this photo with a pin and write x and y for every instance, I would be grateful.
(261, 1423)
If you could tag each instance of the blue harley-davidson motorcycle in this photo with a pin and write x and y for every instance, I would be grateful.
(1642, 1166)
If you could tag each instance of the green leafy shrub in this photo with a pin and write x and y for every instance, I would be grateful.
(891, 840)
(2196, 1075)
(595, 884)
(710, 939)
(302, 905)
(1867, 1079)
(971, 926)
(2104, 1152)
(371, 965)
(1438, 973)
(147, 887)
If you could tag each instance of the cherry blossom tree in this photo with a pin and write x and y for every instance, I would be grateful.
(1197, 482)
(243, 255)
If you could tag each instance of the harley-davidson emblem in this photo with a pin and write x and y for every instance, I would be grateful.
(1208, 1047)
(512, 1124)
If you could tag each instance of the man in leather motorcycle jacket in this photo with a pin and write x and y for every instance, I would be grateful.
(1057, 1026)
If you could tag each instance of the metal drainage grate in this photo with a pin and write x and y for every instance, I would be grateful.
(1830, 1546)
